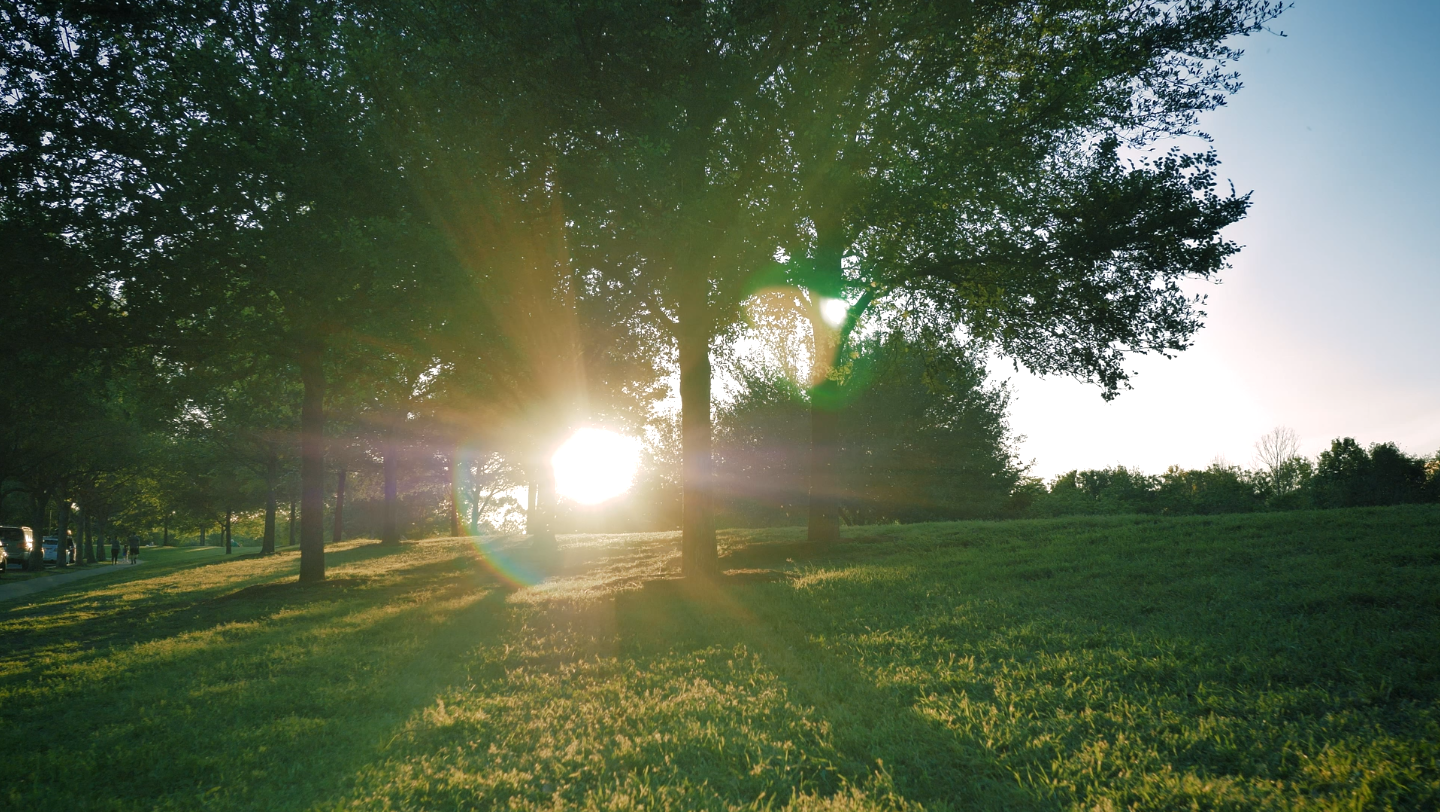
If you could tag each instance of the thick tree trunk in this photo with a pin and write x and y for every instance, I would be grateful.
(538, 521)
(228, 515)
(455, 527)
(88, 541)
(824, 523)
(698, 555)
(389, 518)
(530, 489)
(824, 520)
(338, 533)
(39, 502)
(474, 508)
(62, 532)
(312, 465)
(455, 494)
(272, 473)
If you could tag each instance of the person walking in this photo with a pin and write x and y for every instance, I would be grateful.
(114, 549)
(134, 548)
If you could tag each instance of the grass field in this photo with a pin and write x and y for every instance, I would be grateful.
(1275, 661)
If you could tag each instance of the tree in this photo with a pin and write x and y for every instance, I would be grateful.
(968, 158)
(494, 113)
(71, 425)
(1347, 475)
(1275, 448)
(925, 439)
(962, 163)
(266, 218)
(678, 194)
(1282, 470)
(245, 414)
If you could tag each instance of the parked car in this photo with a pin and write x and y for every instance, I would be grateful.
(18, 544)
(52, 543)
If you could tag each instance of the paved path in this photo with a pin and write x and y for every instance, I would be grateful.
(32, 585)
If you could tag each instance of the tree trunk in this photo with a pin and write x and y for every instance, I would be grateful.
(475, 506)
(338, 533)
(455, 493)
(824, 520)
(455, 526)
(165, 539)
(62, 532)
(203, 528)
(290, 525)
(389, 527)
(227, 531)
(272, 473)
(538, 524)
(87, 541)
(312, 464)
(530, 489)
(698, 555)
(824, 523)
(41, 501)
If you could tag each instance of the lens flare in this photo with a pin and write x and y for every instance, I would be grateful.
(595, 465)
(833, 311)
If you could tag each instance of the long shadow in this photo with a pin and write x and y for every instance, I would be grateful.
(411, 661)
(389, 695)
(871, 724)
(165, 615)
(782, 553)
(364, 552)
(99, 615)
(1246, 621)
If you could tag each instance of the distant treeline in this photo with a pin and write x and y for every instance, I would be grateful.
(1346, 475)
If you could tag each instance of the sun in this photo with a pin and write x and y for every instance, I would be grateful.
(595, 465)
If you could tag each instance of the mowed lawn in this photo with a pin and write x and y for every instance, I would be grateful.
(1277, 661)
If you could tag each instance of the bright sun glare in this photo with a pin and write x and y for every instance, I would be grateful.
(595, 465)
(833, 311)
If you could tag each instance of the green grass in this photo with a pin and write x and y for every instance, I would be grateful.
(1277, 661)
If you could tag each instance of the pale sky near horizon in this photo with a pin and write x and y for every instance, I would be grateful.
(1327, 321)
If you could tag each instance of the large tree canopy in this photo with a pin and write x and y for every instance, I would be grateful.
(539, 208)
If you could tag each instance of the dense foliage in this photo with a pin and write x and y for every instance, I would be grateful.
(924, 439)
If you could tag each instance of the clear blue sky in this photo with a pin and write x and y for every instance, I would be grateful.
(1329, 322)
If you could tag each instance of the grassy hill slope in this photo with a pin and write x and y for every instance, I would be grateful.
(1287, 661)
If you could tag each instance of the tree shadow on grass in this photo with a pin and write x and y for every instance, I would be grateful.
(304, 699)
(874, 727)
(364, 552)
(289, 591)
(781, 553)
(94, 615)
(101, 623)
(97, 613)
